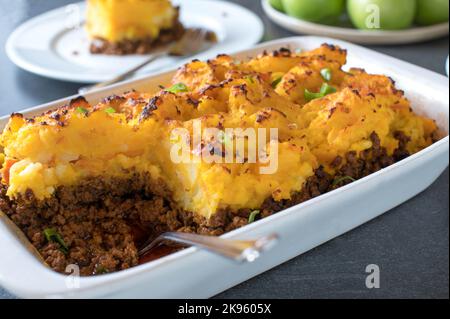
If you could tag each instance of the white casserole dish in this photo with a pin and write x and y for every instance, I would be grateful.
(192, 273)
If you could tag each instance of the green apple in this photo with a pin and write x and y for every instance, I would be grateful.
(276, 4)
(382, 14)
(432, 11)
(321, 11)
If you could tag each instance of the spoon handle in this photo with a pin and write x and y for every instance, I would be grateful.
(237, 250)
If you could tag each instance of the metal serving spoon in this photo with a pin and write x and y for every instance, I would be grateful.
(193, 42)
(237, 250)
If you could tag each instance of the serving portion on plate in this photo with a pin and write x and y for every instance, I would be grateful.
(95, 41)
(227, 142)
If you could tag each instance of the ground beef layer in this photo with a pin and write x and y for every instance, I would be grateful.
(102, 222)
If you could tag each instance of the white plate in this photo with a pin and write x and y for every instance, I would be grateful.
(194, 273)
(46, 45)
(354, 35)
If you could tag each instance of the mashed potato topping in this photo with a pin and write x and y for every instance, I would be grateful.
(321, 113)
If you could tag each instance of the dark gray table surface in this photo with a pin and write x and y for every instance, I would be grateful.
(409, 243)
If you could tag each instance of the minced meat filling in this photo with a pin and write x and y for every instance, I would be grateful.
(102, 222)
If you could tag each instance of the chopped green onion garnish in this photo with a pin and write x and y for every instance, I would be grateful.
(276, 82)
(326, 74)
(252, 216)
(327, 89)
(110, 110)
(250, 79)
(337, 181)
(309, 96)
(178, 88)
(224, 138)
(52, 236)
(82, 110)
(324, 90)
(101, 270)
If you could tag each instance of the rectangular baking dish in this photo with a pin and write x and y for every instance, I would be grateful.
(193, 273)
